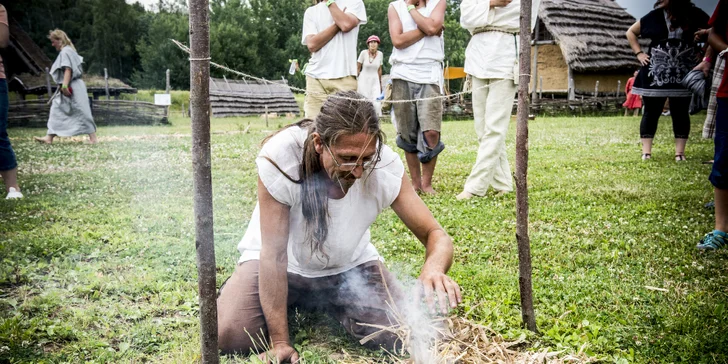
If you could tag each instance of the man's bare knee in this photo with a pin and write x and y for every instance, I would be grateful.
(432, 137)
(231, 341)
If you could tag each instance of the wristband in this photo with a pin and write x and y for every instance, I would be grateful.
(64, 86)
(638, 53)
(410, 8)
(707, 59)
(329, 2)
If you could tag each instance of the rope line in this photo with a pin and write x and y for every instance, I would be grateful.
(187, 50)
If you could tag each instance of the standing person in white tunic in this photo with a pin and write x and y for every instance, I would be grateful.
(491, 58)
(70, 113)
(369, 80)
(416, 28)
(330, 31)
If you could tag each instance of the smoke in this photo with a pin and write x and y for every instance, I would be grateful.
(423, 328)
(418, 330)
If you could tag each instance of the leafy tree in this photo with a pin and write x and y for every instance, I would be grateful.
(255, 36)
(116, 31)
(157, 53)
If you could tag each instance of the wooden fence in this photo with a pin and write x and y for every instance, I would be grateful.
(608, 105)
(34, 113)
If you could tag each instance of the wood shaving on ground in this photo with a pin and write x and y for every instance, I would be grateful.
(463, 341)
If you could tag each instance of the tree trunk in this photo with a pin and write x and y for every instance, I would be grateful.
(202, 180)
(524, 244)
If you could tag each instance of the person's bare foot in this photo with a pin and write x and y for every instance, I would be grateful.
(428, 190)
(44, 140)
(464, 195)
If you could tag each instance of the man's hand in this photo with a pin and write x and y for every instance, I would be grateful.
(703, 66)
(66, 92)
(281, 353)
(445, 288)
(499, 3)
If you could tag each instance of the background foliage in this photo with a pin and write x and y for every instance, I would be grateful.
(254, 36)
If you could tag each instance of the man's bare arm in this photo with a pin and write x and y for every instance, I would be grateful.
(315, 42)
(273, 275)
(345, 21)
(433, 24)
(438, 248)
(400, 39)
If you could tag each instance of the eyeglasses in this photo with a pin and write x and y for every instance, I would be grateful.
(348, 166)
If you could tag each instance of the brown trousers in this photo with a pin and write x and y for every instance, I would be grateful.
(355, 296)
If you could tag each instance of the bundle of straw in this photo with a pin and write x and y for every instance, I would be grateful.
(463, 341)
(456, 339)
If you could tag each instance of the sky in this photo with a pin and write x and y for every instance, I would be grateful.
(637, 8)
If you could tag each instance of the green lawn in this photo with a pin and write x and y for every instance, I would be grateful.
(98, 260)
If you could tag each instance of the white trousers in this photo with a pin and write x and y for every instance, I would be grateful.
(492, 108)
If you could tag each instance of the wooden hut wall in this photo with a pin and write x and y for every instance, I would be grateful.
(584, 83)
(552, 68)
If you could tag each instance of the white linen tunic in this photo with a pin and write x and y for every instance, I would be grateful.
(492, 54)
(348, 243)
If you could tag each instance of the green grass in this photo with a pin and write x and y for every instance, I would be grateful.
(98, 260)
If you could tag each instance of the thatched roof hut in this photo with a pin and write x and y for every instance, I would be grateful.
(24, 56)
(250, 97)
(30, 84)
(583, 41)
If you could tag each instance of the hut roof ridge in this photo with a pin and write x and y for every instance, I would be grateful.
(591, 33)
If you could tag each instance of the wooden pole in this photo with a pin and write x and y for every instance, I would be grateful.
(266, 116)
(106, 81)
(540, 88)
(535, 60)
(48, 82)
(572, 92)
(202, 180)
(168, 88)
(524, 244)
(619, 87)
(596, 89)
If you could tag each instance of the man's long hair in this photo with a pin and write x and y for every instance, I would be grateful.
(337, 117)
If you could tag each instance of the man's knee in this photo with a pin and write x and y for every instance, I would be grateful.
(235, 340)
(433, 148)
(432, 137)
(229, 342)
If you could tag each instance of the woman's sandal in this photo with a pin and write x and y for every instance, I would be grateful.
(680, 157)
(646, 156)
